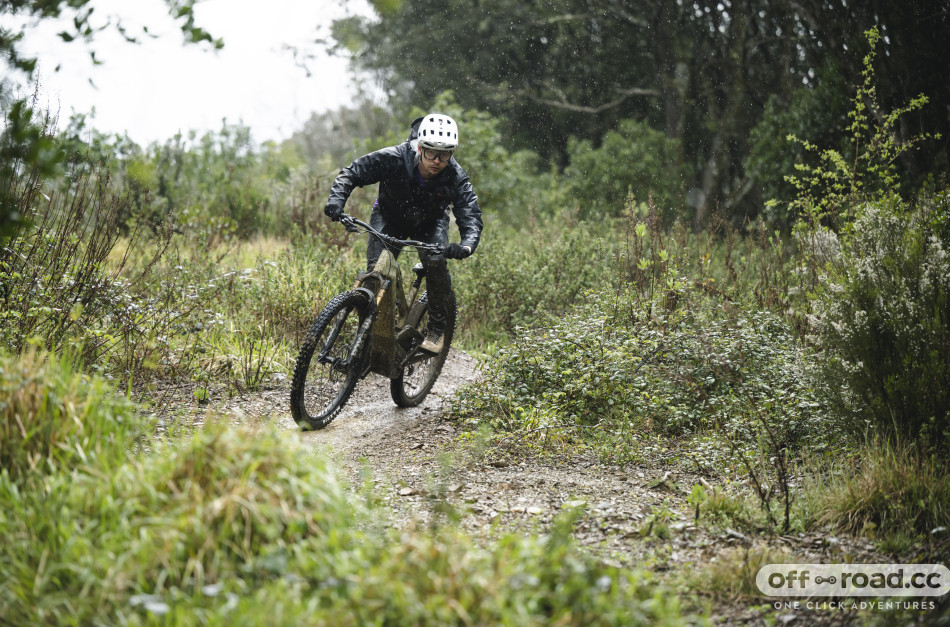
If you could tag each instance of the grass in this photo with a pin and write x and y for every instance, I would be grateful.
(890, 492)
(731, 575)
(52, 419)
(220, 524)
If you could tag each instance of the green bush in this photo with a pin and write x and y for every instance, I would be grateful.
(633, 161)
(884, 319)
(818, 110)
(520, 275)
(662, 354)
(610, 362)
(834, 183)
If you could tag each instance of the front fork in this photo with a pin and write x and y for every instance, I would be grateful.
(360, 339)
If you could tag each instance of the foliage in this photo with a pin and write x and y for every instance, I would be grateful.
(263, 308)
(818, 110)
(28, 155)
(84, 27)
(53, 420)
(95, 271)
(509, 183)
(634, 161)
(884, 318)
(881, 306)
(59, 281)
(658, 354)
(829, 192)
(218, 184)
(216, 187)
(699, 72)
(219, 524)
(21, 140)
(889, 489)
(331, 139)
(523, 273)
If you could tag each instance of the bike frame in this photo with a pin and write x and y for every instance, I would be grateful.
(394, 341)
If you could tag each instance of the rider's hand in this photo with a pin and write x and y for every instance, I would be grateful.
(457, 251)
(333, 211)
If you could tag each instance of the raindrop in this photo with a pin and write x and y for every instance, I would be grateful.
(695, 197)
(212, 589)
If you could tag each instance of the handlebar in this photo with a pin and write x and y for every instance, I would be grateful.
(355, 225)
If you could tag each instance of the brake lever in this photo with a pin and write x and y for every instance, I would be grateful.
(349, 224)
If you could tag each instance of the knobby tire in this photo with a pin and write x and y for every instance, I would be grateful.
(320, 388)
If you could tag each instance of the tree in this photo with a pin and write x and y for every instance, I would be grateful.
(331, 139)
(83, 26)
(25, 145)
(701, 71)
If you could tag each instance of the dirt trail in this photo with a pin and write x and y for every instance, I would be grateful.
(406, 452)
(635, 515)
(370, 425)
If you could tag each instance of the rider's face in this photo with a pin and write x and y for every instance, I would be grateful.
(430, 167)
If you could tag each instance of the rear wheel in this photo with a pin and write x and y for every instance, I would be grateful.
(330, 361)
(415, 381)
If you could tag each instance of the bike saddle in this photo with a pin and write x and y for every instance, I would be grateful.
(419, 269)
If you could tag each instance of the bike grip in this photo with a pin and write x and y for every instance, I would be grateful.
(349, 223)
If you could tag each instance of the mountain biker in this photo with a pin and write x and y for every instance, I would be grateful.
(418, 181)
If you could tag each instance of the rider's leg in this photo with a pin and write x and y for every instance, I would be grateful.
(438, 288)
(438, 280)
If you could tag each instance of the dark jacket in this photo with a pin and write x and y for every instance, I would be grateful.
(403, 200)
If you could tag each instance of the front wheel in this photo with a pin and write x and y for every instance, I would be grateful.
(415, 381)
(330, 361)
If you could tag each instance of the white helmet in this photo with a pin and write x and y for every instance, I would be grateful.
(438, 132)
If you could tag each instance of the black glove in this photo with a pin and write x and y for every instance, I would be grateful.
(457, 251)
(333, 211)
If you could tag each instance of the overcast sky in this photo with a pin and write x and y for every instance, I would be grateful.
(162, 86)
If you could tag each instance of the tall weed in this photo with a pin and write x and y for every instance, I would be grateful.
(56, 282)
(829, 192)
(53, 420)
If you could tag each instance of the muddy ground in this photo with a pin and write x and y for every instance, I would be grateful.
(635, 515)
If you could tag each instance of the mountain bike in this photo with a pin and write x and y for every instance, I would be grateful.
(370, 328)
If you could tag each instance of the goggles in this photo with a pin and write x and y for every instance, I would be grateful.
(440, 156)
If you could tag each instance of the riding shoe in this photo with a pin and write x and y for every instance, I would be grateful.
(434, 342)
